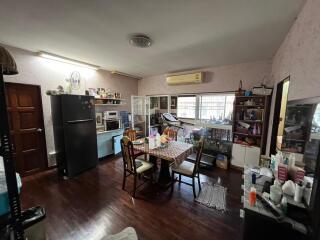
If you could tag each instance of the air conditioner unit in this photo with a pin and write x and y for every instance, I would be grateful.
(189, 78)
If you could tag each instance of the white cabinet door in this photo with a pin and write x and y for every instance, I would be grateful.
(252, 156)
(238, 155)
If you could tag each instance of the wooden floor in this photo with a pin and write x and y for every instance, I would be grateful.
(93, 204)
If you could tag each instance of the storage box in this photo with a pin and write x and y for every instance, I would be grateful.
(222, 161)
(4, 200)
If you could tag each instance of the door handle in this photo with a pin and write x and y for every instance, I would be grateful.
(80, 121)
(39, 130)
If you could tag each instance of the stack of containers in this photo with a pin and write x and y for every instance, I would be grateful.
(4, 199)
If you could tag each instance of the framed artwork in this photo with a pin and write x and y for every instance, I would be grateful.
(99, 120)
(163, 102)
(92, 92)
(173, 102)
(154, 102)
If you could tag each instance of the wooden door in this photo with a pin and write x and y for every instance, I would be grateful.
(26, 127)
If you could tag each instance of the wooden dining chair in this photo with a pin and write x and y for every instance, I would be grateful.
(189, 169)
(131, 134)
(171, 133)
(133, 166)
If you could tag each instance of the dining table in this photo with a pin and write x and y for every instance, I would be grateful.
(172, 153)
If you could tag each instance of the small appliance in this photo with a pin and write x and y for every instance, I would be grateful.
(111, 115)
(112, 120)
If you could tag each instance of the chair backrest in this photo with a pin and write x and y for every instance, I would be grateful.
(131, 134)
(128, 154)
(199, 155)
(171, 133)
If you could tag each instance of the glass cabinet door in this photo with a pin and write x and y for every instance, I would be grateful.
(158, 105)
(140, 110)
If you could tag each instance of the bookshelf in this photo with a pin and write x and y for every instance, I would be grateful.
(251, 118)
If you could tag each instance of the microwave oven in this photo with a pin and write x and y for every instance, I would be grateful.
(112, 124)
(111, 115)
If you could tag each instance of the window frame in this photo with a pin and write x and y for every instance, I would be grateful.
(214, 94)
(196, 106)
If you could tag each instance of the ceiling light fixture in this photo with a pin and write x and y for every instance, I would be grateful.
(140, 40)
(67, 60)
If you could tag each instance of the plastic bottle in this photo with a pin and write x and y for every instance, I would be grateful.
(284, 205)
(298, 193)
(151, 142)
(307, 193)
(252, 197)
(158, 140)
(292, 160)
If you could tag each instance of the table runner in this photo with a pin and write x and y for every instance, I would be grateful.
(175, 151)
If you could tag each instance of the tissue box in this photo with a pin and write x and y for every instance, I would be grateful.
(297, 174)
(222, 161)
(282, 172)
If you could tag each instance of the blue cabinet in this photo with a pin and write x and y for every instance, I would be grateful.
(109, 142)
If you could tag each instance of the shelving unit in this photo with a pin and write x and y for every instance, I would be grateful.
(109, 101)
(251, 114)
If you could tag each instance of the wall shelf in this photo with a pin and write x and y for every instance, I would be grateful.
(109, 101)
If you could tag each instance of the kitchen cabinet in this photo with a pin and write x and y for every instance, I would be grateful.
(245, 155)
(109, 142)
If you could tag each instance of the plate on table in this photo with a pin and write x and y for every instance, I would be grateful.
(138, 142)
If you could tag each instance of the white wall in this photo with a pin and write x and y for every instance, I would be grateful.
(49, 74)
(217, 79)
(299, 56)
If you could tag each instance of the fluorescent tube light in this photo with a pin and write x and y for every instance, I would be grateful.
(67, 60)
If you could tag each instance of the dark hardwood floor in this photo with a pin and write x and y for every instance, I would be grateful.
(93, 204)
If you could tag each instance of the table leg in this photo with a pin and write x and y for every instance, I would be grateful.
(153, 160)
(164, 176)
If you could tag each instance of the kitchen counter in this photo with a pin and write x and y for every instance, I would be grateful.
(108, 142)
(260, 209)
(261, 222)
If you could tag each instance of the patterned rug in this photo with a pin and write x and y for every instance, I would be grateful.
(213, 196)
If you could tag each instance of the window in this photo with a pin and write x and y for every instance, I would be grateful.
(186, 107)
(216, 107)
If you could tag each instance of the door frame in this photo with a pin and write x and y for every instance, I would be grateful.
(276, 115)
(46, 166)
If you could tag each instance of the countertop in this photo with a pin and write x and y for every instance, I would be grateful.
(260, 209)
(110, 131)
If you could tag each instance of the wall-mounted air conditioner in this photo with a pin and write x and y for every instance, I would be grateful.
(189, 78)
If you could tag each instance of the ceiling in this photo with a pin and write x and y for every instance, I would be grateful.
(187, 34)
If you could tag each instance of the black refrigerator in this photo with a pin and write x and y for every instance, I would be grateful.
(75, 137)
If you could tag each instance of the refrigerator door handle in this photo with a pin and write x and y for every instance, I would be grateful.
(80, 121)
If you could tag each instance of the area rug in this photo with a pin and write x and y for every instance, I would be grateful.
(213, 196)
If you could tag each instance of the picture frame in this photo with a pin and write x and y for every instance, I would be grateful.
(153, 102)
(174, 102)
(99, 119)
(92, 92)
(163, 102)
